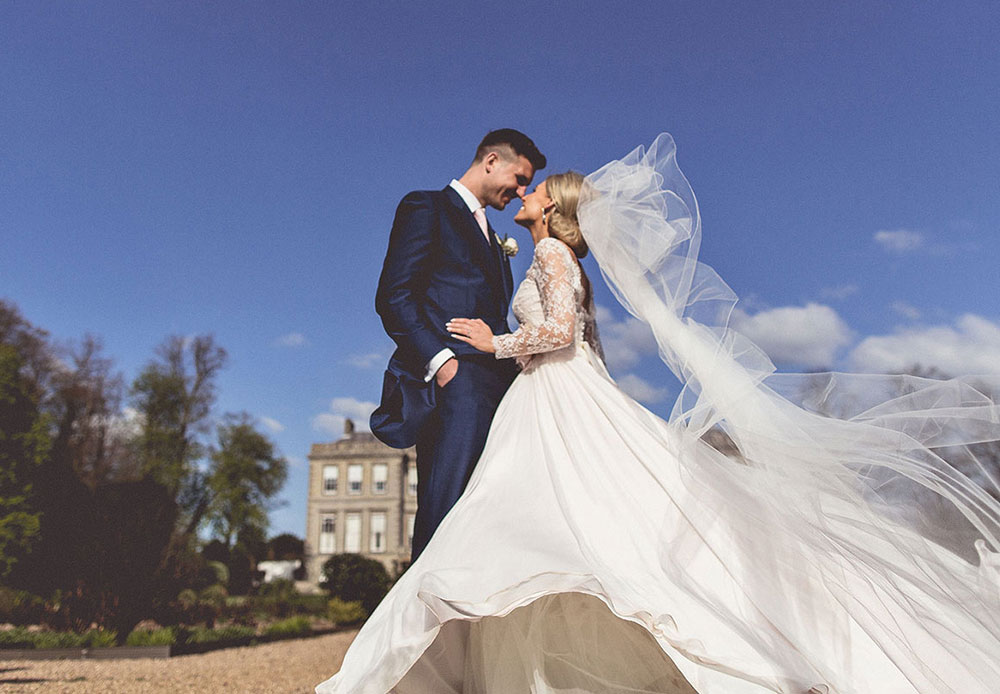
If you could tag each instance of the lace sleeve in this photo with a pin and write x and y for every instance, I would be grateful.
(554, 268)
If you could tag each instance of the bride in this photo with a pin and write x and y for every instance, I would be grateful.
(842, 547)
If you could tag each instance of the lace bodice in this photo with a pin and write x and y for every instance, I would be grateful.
(552, 307)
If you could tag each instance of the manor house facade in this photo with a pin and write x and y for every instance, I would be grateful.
(362, 500)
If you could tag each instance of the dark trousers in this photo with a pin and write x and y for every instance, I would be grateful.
(449, 444)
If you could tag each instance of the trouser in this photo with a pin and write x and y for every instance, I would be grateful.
(451, 440)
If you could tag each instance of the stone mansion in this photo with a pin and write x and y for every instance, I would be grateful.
(362, 499)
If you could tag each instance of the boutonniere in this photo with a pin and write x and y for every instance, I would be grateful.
(507, 244)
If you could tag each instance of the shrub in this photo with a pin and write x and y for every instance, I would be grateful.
(187, 599)
(289, 628)
(345, 613)
(221, 572)
(277, 598)
(315, 605)
(239, 609)
(100, 638)
(20, 607)
(278, 588)
(18, 638)
(353, 577)
(58, 639)
(153, 637)
(231, 635)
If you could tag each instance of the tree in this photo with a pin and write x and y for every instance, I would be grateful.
(31, 345)
(286, 547)
(173, 396)
(24, 445)
(92, 434)
(89, 450)
(355, 578)
(246, 474)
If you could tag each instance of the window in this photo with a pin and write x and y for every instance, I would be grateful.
(410, 517)
(411, 479)
(328, 534)
(331, 478)
(377, 531)
(354, 474)
(380, 477)
(352, 538)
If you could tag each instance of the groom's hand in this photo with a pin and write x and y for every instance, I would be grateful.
(446, 372)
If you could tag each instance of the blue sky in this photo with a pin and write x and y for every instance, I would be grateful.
(232, 168)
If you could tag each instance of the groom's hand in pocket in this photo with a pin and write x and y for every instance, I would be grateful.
(446, 372)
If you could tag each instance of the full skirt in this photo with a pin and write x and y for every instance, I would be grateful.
(594, 550)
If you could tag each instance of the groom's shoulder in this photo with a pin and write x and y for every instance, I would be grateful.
(424, 198)
(421, 204)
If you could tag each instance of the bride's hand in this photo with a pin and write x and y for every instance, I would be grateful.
(474, 331)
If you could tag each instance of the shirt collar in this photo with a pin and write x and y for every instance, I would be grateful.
(471, 200)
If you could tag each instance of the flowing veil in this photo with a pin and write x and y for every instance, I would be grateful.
(879, 490)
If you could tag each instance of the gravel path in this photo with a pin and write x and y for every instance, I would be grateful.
(284, 667)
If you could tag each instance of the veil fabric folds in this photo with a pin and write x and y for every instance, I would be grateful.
(889, 481)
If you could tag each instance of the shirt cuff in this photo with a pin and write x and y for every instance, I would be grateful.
(436, 362)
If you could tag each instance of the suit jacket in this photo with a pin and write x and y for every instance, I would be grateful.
(438, 266)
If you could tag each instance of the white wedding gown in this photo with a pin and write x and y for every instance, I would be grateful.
(601, 549)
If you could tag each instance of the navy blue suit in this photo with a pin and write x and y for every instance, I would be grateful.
(440, 266)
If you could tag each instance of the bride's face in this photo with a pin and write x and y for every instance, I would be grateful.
(532, 205)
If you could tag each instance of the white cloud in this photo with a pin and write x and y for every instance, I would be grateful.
(899, 240)
(367, 360)
(625, 342)
(971, 346)
(906, 310)
(272, 425)
(806, 336)
(292, 340)
(839, 292)
(332, 421)
(640, 389)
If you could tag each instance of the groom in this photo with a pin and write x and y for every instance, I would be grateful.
(444, 261)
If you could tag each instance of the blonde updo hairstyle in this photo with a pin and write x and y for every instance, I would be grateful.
(564, 189)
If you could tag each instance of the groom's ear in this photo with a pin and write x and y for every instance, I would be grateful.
(490, 161)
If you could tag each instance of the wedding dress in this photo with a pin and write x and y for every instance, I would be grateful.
(601, 549)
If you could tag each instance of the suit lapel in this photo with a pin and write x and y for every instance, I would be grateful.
(464, 220)
(503, 265)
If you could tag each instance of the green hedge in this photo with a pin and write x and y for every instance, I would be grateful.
(231, 635)
(289, 628)
(184, 639)
(21, 638)
(168, 636)
(344, 613)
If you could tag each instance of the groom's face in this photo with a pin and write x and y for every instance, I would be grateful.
(507, 179)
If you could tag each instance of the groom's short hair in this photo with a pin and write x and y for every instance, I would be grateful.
(511, 140)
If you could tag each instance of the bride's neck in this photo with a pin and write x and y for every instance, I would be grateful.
(539, 230)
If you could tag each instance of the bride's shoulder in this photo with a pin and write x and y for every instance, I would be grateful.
(550, 248)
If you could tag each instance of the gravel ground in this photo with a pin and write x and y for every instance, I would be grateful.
(284, 667)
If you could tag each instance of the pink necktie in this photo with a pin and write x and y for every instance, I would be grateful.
(480, 216)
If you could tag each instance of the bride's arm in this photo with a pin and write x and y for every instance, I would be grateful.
(556, 288)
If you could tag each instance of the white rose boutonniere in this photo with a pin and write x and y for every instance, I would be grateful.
(507, 244)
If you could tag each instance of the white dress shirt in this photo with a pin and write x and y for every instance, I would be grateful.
(438, 360)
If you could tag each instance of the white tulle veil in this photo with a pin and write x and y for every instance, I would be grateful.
(889, 479)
